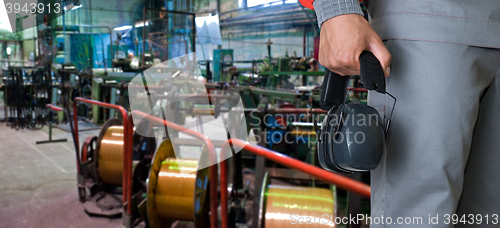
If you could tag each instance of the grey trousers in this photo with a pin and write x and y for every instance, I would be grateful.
(443, 149)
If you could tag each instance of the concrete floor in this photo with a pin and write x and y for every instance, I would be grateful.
(38, 182)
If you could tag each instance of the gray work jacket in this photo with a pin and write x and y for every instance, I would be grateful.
(469, 22)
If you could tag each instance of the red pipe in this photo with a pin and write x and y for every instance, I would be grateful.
(296, 111)
(59, 109)
(338, 180)
(304, 42)
(212, 156)
(223, 190)
(207, 95)
(144, 87)
(55, 108)
(127, 145)
(306, 110)
(357, 89)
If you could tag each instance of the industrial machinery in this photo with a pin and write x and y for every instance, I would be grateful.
(119, 161)
(121, 172)
(26, 92)
(101, 168)
(164, 188)
(160, 187)
(222, 58)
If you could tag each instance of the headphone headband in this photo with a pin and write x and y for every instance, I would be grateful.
(334, 88)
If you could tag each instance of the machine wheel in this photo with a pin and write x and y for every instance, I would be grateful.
(88, 149)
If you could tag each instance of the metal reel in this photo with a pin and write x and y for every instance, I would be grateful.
(86, 185)
(104, 129)
(279, 203)
(89, 149)
(98, 201)
(104, 167)
(165, 168)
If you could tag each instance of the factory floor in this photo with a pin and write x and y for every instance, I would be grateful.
(38, 182)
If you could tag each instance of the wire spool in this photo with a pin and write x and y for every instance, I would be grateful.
(302, 129)
(110, 152)
(110, 149)
(203, 111)
(281, 206)
(177, 190)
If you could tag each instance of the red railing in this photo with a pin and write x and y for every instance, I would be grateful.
(127, 145)
(213, 172)
(55, 108)
(296, 111)
(356, 89)
(338, 180)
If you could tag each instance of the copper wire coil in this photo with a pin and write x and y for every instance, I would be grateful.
(203, 111)
(304, 133)
(110, 149)
(110, 156)
(292, 206)
(286, 204)
(177, 189)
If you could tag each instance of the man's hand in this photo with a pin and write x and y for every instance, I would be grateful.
(342, 40)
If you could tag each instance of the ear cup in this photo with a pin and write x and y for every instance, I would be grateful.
(327, 146)
(334, 148)
(322, 151)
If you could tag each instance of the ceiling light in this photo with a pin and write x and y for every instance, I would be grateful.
(124, 27)
(142, 24)
(71, 6)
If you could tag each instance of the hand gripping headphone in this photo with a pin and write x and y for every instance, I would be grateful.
(352, 135)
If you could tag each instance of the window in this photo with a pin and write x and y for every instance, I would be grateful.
(252, 3)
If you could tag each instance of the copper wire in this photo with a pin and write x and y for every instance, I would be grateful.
(288, 206)
(175, 189)
(110, 156)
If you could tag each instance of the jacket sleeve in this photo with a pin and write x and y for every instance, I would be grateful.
(326, 9)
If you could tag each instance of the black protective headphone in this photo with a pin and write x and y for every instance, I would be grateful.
(352, 135)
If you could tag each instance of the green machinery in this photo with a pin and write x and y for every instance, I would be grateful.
(223, 58)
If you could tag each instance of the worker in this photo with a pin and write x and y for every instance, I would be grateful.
(443, 59)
